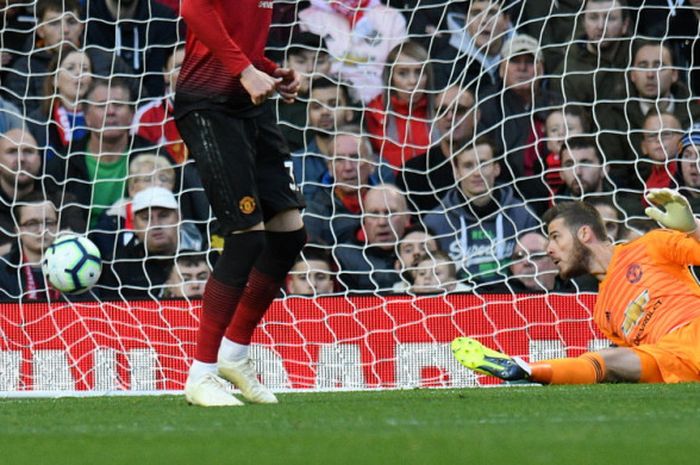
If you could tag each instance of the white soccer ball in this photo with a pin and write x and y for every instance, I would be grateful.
(72, 264)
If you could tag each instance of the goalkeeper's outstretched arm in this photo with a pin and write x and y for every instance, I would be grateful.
(673, 211)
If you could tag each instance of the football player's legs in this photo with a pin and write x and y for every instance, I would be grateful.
(605, 366)
(676, 355)
(588, 368)
(224, 150)
(284, 237)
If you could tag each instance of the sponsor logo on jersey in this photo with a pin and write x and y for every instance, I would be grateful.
(265, 4)
(643, 323)
(247, 205)
(634, 312)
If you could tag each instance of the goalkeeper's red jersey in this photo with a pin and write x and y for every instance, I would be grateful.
(223, 38)
(649, 290)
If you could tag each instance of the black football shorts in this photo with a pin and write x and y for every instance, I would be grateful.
(245, 166)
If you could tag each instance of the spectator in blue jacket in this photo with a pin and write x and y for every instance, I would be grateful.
(481, 220)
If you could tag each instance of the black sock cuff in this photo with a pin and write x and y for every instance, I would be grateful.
(281, 249)
(240, 254)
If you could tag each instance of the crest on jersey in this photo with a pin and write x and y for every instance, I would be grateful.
(634, 273)
(247, 205)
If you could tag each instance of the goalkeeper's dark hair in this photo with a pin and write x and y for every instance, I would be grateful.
(605, 201)
(59, 6)
(581, 143)
(575, 216)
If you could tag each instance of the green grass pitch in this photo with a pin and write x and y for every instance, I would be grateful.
(605, 424)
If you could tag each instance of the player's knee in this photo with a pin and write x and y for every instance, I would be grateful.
(621, 365)
(281, 249)
(287, 220)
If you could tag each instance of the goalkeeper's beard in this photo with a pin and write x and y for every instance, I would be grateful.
(579, 261)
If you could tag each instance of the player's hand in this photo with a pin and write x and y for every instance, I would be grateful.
(678, 214)
(288, 87)
(259, 85)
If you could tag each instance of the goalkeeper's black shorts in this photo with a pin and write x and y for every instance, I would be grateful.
(244, 164)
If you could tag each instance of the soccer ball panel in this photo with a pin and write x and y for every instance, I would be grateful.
(72, 264)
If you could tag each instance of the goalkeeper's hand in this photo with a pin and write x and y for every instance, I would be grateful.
(678, 214)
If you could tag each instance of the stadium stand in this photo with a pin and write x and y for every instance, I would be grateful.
(446, 126)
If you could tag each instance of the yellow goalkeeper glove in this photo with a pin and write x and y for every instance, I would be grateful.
(678, 214)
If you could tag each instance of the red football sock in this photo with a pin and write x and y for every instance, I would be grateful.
(218, 304)
(257, 297)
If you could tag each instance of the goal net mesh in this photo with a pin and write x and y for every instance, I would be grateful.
(428, 139)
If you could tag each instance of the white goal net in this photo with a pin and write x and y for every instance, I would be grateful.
(428, 139)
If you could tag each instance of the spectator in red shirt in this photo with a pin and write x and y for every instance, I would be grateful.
(399, 120)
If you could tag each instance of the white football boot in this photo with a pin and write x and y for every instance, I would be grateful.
(210, 391)
(242, 374)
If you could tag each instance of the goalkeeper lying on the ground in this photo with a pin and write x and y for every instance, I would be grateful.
(648, 302)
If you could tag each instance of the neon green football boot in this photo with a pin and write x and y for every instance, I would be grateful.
(477, 357)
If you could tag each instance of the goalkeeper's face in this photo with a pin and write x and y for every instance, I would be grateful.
(569, 255)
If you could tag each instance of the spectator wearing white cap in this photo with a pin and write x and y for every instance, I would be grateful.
(140, 267)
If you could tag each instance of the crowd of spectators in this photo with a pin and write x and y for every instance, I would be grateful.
(428, 138)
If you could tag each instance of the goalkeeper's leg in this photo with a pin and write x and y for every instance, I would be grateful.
(615, 365)
(264, 283)
(610, 365)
